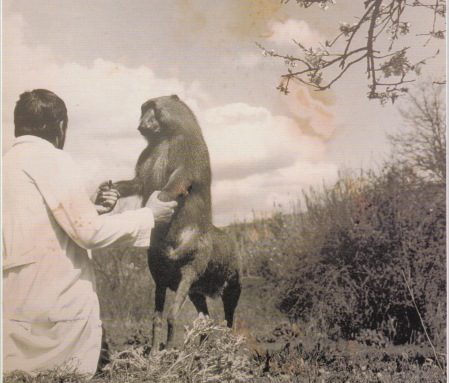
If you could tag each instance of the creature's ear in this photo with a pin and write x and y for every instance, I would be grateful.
(175, 97)
(148, 105)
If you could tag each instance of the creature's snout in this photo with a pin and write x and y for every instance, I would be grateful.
(146, 129)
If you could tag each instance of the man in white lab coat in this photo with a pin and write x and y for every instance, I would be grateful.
(50, 306)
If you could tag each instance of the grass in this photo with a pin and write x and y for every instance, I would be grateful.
(263, 347)
(221, 356)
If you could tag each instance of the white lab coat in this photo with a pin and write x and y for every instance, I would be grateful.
(50, 306)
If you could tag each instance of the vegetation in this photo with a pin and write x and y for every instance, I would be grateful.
(366, 257)
(350, 286)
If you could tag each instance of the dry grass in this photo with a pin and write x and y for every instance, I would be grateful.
(210, 353)
(62, 374)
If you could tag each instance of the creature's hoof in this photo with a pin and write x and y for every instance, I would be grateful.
(170, 346)
(155, 350)
(203, 316)
(171, 254)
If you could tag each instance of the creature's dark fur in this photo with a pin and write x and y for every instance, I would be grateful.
(189, 255)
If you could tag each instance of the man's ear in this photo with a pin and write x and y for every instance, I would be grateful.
(62, 127)
(60, 134)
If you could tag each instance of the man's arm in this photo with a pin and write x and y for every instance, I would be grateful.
(65, 196)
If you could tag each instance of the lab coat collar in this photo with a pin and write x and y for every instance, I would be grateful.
(31, 139)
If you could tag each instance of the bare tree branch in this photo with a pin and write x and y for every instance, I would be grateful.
(422, 141)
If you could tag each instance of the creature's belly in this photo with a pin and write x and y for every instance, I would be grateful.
(155, 170)
(212, 282)
(163, 270)
(151, 184)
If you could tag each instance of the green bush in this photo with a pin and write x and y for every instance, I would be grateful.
(357, 242)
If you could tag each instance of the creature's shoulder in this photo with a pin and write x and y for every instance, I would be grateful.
(145, 155)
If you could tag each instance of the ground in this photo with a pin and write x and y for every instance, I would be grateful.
(285, 352)
(256, 316)
(272, 350)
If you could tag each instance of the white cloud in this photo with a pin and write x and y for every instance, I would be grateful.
(249, 60)
(257, 157)
(260, 192)
(314, 108)
(283, 33)
(246, 140)
(103, 100)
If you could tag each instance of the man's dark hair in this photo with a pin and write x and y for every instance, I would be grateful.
(39, 113)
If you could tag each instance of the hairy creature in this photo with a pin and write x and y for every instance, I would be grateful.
(189, 255)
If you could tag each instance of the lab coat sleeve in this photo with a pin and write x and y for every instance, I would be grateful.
(64, 193)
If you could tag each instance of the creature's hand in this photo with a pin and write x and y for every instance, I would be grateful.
(107, 197)
(162, 211)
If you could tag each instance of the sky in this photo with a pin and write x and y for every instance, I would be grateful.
(105, 58)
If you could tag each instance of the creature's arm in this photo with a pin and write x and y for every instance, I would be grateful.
(135, 186)
(181, 177)
(129, 187)
(125, 188)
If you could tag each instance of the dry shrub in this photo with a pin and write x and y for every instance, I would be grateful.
(243, 329)
(62, 374)
(211, 352)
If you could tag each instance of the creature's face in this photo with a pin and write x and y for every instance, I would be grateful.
(165, 117)
(149, 124)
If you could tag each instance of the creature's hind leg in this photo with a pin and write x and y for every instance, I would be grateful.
(199, 301)
(188, 246)
(188, 277)
(157, 318)
(230, 298)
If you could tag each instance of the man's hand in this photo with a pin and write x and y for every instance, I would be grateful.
(107, 198)
(162, 211)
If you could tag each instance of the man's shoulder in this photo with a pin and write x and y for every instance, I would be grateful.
(32, 156)
(62, 155)
(60, 161)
